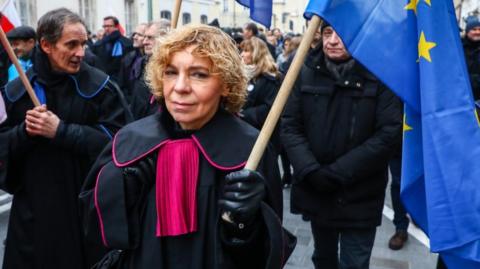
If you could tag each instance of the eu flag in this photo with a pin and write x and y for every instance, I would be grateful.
(413, 46)
(260, 10)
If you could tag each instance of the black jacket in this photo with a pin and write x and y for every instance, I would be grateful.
(131, 70)
(103, 50)
(347, 129)
(472, 58)
(261, 95)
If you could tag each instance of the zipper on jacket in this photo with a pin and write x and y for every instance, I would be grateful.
(353, 121)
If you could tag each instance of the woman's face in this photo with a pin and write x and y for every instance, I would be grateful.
(247, 57)
(192, 94)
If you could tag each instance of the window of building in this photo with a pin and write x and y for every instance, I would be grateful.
(291, 25)
(130, 16)
(204, 19)
(285, 17)
(165, 14)
(87, 12)
(186, 18)
(225, 5)
(27, 10)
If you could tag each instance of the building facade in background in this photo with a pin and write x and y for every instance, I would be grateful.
(287, 14)
(466, 8)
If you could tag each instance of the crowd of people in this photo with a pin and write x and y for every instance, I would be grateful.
(135, 157)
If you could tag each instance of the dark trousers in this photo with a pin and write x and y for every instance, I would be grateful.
(400, 219)
(355, 247)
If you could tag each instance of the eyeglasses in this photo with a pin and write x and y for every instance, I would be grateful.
(108, 26)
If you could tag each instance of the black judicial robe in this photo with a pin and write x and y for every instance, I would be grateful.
(224, 145)
(45, 175)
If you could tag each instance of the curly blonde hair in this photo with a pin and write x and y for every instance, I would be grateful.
(209, 42)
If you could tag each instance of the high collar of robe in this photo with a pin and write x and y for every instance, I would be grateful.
(225, 141)
(88, 81)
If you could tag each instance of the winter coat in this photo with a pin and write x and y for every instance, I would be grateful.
(472, 58)
(348, 127)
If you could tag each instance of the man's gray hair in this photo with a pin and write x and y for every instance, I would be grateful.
(50, 26)
(162, 25)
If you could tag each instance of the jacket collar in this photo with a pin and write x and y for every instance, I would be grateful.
(225, 141)
(88, 81)
(315, 60)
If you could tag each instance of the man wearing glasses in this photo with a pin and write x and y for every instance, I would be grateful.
(113, 47)
(132, 63)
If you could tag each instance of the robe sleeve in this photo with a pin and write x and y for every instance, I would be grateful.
(90, 139)
(14, 144)
(269, 244)
(110, 205)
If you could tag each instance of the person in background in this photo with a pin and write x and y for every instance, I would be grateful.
(283, 56)
(23, 41)
(251, 30)
(214, 215)
(99, 36)
(291, 50)
(112, 47)
(339, 128)
(46, 151)
(264, 81)
(471, 48)
(400, 219)
(143, 101)
(279, 36)
(132, 63)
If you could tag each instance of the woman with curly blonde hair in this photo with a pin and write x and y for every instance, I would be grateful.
(160, 189)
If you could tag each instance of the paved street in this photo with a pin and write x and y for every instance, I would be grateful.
(414, 256)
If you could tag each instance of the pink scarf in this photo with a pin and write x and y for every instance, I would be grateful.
(176, 188)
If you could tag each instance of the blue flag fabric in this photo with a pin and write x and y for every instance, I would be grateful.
(260, 10)
(413, 46)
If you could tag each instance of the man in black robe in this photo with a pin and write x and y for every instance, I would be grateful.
(113, 47)
(46, 151)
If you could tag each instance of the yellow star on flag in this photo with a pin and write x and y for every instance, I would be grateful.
(406, 127)
(412, 5)
(428, 2)
(424, 47)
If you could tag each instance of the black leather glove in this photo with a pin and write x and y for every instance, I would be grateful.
(243, 193)
(143, 171)
(322, 180)
(138, 177)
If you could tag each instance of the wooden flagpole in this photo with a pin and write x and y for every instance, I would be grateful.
(282, 96)
(23, 77)
(280, 101)
(176, 13)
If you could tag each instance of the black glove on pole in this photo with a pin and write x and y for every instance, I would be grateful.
(243, 192)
